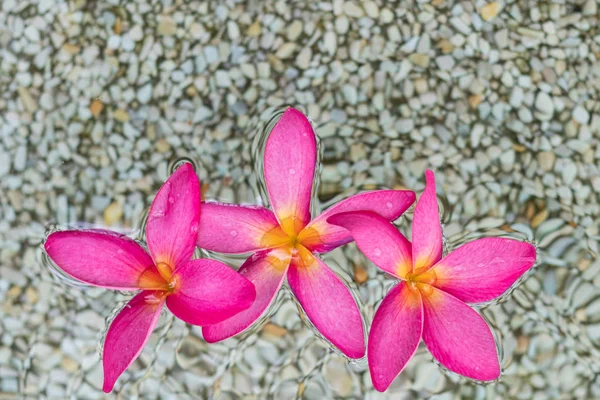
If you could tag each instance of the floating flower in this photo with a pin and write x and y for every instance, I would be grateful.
(200, 292)
(429, 301)
(284, 240)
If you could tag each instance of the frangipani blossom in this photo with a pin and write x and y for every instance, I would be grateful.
(284, 240)
(430, 300)
(200, 292)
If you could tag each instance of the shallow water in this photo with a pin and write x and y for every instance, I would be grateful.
(100, 101)
(547, 317)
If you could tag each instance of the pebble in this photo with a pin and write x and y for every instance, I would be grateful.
(445, 63)
(96, 107)
(166, 26)
(294, 30)
(546, 160)
(490, 11)
(5, 163)
(581, 115)
(544, 103)
(352, 9)
(144, 94)
(29, 102)
(113, 213)
(121, 115)
(286, 50)
(20, 159)
(420, 60)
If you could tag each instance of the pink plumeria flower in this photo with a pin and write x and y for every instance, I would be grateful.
(284, 240)
(430, 300)
(200, 292)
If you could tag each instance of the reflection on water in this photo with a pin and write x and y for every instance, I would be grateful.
(549, 319)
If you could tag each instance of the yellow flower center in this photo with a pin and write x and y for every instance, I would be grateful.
(160, 278)
(292, 240)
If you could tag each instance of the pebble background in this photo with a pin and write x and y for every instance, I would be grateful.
(98, 100)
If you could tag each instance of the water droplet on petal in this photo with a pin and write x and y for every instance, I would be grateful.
(292, 171)
(194, 229)
(389, 204)
(171, 200)
(377, 252)
(233, 233)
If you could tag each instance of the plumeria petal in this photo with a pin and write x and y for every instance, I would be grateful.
(378, 240)
(327, 303)
(320, 236)
(395, 334)
(207, 292)
(482, 270)
(266, 270)
(172, 225)
(128, 333)
(290, 157)
(457, 336)
(426, 228)
(102, 258)
(229, 228)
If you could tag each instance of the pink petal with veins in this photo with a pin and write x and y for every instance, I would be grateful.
(426, 228)
(395, 334)
(266, 270)
(208, 292)
(101, 258)
(229, 228)
(458, 337)
(484, 269)
(172, 226)
(328, 304)
(128, 333)
(290, 158)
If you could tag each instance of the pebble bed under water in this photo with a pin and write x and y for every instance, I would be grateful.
(99, 102)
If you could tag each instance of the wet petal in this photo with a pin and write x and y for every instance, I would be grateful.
(458, 337)
(266, 270)
(482, 270)
(102, 258)
(290, 157)
(172, 225)
(322, 237)
(128, 333)
(426, 228)
(208, 292)
(230, 228)
(378, 239)
(395, 334)
(328, 304)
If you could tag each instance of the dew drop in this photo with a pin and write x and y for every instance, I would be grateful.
(389, 204)
(377, 252)
(233, 233)
(194, 229)
(171, 200)
(292, 171)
